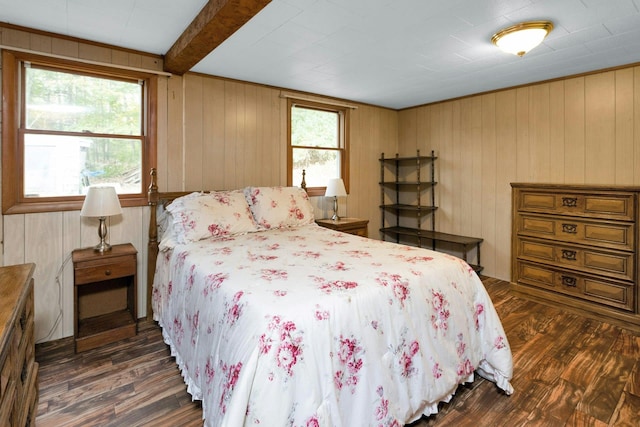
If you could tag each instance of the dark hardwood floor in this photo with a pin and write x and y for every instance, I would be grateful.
(569, 371)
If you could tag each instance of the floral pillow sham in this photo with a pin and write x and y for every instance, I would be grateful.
(198, 216)
(279, 207)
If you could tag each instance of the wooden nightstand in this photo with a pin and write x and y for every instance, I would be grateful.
(104, 295)
(355, 226)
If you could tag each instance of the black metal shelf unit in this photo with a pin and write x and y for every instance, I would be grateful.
(412, 189)
(398, 186)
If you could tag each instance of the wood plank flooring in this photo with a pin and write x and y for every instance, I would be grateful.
(569, 371)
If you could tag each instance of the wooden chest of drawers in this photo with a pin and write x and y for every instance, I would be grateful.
(577, 246)
(18, 369)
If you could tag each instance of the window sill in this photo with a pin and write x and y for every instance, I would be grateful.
(65, 205)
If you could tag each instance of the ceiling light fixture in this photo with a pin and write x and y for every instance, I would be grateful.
(521, 38)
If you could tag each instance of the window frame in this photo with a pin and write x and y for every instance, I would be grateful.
(343, 135)
(13, 101)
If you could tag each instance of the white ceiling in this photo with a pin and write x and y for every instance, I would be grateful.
(392, 53)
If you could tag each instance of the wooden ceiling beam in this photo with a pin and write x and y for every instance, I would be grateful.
(216, 22)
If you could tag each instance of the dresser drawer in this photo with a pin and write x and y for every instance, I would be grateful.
(90, 272)
(31, 396)
(608, 292)
(24, 324)
(598, 261)
(7, 401)
(355, 226)
(26, 358)
(619, 206)
(576, 230)
(7, 369)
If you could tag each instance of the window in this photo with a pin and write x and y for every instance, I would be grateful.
(72, 125)
(317, 144)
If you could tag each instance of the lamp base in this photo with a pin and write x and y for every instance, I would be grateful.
(335, 216)
(103, 246)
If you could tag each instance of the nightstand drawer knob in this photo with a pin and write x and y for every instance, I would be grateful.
(107, 272)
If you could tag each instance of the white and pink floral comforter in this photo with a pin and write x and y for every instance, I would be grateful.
(312, 327)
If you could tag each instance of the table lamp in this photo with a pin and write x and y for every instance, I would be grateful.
(101, 202)
(335, 189)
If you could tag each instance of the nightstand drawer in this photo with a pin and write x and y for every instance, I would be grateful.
(105, 271)
(356, 226)
(360, 231)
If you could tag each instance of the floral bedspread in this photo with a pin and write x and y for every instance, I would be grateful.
(312, 327)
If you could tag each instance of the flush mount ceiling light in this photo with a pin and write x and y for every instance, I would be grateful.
(521, 38)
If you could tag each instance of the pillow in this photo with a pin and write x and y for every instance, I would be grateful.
(166, 233)
(198, 216)
(278, 207)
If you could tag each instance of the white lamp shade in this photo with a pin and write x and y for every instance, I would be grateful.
(335, 188)
(101, 201)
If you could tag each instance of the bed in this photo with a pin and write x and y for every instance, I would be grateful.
(274, 320)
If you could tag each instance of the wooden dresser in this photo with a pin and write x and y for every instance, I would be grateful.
(576, 246)
(18, 368)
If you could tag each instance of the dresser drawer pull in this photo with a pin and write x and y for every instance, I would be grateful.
(569, 281)
(107, 272)
(569, 202)
(568, 255)
(569, 228)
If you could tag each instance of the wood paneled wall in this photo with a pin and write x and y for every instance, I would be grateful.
(583, 130)
(235, 134)
(213, 133)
